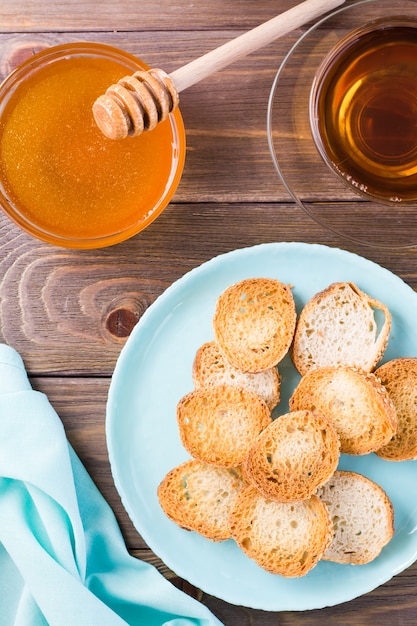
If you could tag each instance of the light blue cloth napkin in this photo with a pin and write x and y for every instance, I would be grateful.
(63, 561)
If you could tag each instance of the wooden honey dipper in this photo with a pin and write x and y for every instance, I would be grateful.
(140, 101)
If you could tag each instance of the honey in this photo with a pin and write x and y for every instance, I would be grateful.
(364, 111)
(61, 178)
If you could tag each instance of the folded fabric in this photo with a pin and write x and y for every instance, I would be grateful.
(63, 561)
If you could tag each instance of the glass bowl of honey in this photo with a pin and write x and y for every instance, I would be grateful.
(61, 179)
(342, 123)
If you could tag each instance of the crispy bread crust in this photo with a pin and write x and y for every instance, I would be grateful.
(218, 424)
(399, 377)
(286, 539)
(362, 517)
(355, 402)
(338, 327)
(210, 367)
(293, 456)
(199, 497)
(254, 323)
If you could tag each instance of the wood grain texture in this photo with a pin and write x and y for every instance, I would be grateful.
(55, 304)
(21, 16)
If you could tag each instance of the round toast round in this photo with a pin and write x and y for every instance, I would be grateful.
(293, 456)
(254, 323)
(199, 497)
(285, 539)
(399, 377)
(218, 424)
(339, 326)
(362, 517)
(210, 367)
(355, 402)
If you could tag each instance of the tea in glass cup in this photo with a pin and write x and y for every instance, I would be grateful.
(363, 110)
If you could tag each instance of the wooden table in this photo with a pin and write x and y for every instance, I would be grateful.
(69, 313)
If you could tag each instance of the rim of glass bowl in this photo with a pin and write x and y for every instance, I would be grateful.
(325, 65)
(402, 229)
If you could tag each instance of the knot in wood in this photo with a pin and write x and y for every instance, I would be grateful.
(120, 323)
(122, 316)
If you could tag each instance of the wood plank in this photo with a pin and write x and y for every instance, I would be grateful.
(57, 306)
(21, 16)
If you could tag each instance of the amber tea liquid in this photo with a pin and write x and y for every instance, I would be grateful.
(364, 111)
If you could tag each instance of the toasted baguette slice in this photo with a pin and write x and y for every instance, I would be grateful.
(399, 377)
(199, 497)
(338, 327)
(218, 424)
(362, 516)
(355, 402)
(293, 456)
(254, 323)
(210, 367)
(285, 539)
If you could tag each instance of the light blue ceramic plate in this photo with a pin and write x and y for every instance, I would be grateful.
(154, 372)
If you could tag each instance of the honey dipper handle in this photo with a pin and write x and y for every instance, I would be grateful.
(139, 102)
(250, 41)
